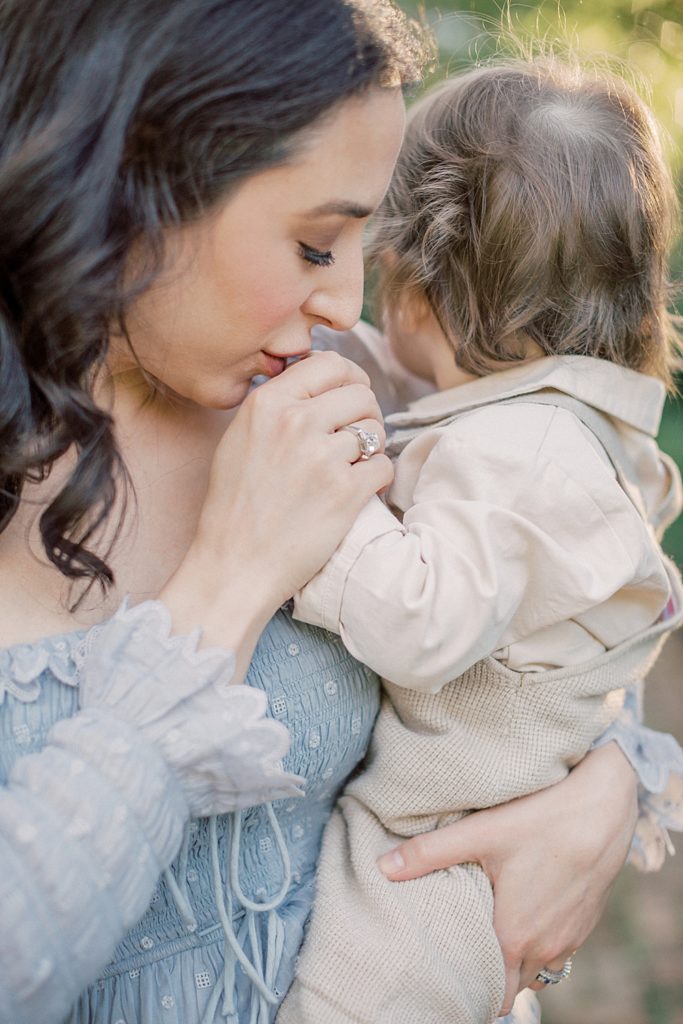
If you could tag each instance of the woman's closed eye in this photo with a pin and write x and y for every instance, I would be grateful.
(317, 257)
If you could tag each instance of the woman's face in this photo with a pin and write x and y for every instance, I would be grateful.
(243, 286)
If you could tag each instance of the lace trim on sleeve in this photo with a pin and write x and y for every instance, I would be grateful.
(214, 735)
(22, 666)
(657, 759)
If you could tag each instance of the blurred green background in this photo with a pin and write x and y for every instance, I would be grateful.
(631, 969)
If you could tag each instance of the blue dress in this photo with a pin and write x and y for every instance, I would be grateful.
(219, 940)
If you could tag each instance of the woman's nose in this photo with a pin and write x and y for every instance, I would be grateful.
(338, 297)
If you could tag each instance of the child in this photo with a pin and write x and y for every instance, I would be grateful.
(522, 251)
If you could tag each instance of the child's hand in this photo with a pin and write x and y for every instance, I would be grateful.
(551, 857)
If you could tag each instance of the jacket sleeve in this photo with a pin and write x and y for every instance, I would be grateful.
(493, 521)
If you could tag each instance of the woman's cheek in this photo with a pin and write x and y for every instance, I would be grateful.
(277, 300)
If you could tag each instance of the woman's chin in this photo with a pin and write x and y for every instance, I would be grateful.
(219, 395)
(227, 395)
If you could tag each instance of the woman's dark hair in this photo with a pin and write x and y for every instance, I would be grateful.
(531, 198)
(119, 119)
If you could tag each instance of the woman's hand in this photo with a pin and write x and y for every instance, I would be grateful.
(285, 486)
(551, 858)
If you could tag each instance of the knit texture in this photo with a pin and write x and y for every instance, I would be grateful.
(424, 951)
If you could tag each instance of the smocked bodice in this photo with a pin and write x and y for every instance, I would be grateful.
(236, 899)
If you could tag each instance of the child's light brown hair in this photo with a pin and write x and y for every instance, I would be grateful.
(532, 199)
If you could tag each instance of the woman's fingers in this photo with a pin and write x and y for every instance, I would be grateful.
(551, 858)
(317, 373)
(343, 405)
(465, 841)
(325, 392)
(375, 474)
(513, 985)
(286, 483)
(471, 840)
(552, 965)
(352, 438)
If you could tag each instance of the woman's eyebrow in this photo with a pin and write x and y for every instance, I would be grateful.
(341, 208)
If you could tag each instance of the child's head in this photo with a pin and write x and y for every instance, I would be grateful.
(532, 208)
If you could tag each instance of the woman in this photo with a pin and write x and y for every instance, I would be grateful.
(184, 187)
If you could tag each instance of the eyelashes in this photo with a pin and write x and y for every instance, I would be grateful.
(315, 256)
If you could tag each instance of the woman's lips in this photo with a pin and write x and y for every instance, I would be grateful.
(273, 365)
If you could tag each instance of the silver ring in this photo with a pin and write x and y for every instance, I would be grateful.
(368, 441)
(548, 977)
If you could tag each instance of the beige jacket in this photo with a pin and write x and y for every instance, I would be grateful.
(496, 505)
(425, 952)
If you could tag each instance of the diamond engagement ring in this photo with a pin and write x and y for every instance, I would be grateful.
(548, 977)
(367, 440)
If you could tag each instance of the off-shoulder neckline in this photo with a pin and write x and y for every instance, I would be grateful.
(48, 639)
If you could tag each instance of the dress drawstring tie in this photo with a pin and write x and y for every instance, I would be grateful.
(266, 951)
(179, 890)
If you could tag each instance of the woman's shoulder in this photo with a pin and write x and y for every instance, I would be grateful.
(36, 601)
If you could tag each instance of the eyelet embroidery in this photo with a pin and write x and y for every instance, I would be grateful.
(278, 706)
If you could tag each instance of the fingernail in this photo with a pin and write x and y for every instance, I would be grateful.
(390, 863)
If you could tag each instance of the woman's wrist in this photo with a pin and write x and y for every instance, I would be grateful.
(225, 600)
(606, 791)
(616, 773)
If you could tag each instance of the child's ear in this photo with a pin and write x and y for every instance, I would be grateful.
(411, 308)
(414, 311)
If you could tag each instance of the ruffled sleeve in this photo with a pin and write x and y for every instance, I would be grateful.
(88, 824)
(657, 759)
(214, 735)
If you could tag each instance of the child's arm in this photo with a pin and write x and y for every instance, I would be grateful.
(504, 536)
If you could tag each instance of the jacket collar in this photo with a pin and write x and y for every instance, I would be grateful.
(624, 394)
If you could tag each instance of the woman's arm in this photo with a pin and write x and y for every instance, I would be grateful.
(551, 858)
(88, 824)
(85, 831)
(657, 759)
(285, 487)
